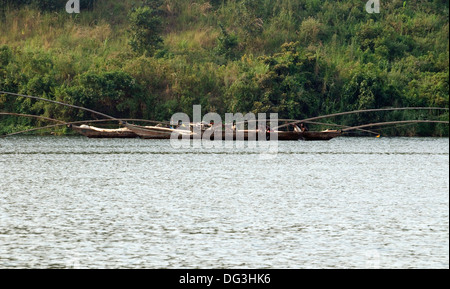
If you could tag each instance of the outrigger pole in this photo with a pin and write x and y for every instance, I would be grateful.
(33, 116)
(393, 122)
(63, 123)
(342, 126)
(360, 111)
(61, 103)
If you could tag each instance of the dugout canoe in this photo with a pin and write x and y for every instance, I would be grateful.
(153, 132)
(156, 132)
(320, 135)
(95, 132)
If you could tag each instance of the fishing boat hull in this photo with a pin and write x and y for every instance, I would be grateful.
(94, 132)
(244, 135)
(134, 131)
(289, 135)
(320, 135)
(149, 132)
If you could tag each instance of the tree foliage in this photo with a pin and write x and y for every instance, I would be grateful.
(145, 29)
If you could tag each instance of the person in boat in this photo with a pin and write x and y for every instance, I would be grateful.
(181, 125)
(303, 127)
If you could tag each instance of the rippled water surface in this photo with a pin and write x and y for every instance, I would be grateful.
(72, 202)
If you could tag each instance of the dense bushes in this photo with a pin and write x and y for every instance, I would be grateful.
(151, 59)
(145, 28)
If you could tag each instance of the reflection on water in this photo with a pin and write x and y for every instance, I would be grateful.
(347, 203)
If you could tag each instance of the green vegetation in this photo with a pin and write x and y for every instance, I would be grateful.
(299, 58)
(146, 28)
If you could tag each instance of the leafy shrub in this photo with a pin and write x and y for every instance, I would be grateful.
(145, 29)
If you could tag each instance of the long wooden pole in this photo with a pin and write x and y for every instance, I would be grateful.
(341, 126)
(32, 116)
(60, 103)
(361, 111)
(393, 122)
(62, 123)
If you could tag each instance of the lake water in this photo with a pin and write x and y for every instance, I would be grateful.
(73, 202)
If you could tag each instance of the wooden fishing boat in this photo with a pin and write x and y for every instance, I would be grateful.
(244, 135)
(157, 132)
(227, 133)
(154, 132)
(289, 135)
(203, 131)
(290, 132)
(95, 132)
(254, 135)
(321, 135)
